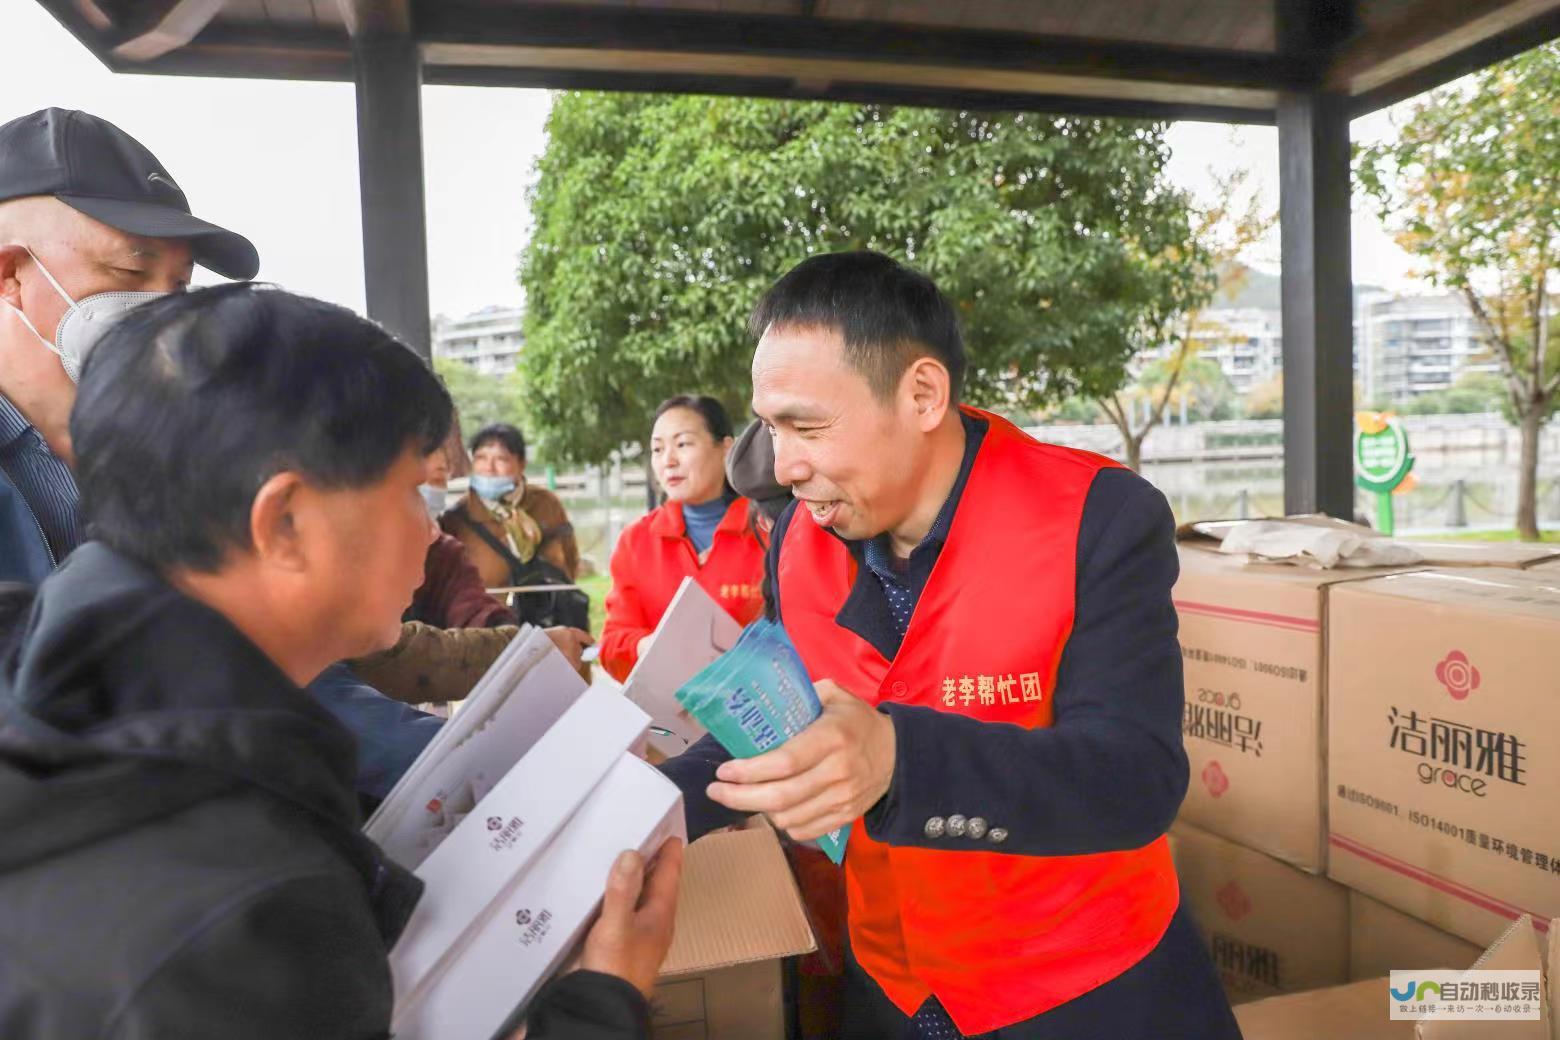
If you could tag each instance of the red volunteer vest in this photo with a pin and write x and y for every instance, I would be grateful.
(998, 938)
(652, 558)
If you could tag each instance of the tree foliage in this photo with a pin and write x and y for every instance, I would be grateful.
(660, 220)
(1472, 393)
(1471, 187)
(480, 398)
(1209, 262)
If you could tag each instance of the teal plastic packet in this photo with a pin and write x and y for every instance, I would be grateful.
(754, 698)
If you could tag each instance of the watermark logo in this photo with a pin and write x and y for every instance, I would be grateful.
(1457, 674)
(1486, 995)
(1214, 780)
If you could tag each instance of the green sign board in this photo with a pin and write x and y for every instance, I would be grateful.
(1382, 460)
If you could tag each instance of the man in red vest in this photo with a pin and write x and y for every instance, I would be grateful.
(989, 624)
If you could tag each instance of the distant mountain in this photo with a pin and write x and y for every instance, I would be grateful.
(1261, 291)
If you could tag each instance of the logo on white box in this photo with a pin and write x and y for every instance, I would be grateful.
(504, 834)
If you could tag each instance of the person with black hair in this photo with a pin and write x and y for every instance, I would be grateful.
(526, 519)
(182, 852)
(988, 620)
(91, 226)
(702, 530)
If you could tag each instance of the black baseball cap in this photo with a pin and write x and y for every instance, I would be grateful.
(93, 166)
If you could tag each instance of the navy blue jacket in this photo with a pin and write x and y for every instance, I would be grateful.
(24, 554)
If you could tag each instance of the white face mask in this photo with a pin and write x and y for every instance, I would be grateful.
(84, 323)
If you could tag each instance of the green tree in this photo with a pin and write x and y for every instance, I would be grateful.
(660, 220)
(481, 398)
(1471, 187)
(1473, 392)
(1074, 411)
(1266, 400)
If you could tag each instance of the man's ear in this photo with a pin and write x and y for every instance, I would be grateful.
(929, 388)
(278, 521)
(11, 258)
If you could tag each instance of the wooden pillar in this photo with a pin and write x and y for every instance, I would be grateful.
(388, 71)
(1318, 291)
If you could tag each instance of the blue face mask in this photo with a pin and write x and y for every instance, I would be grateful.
(433, 497)
(491, 488)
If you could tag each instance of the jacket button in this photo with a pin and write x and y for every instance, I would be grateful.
(935, 827)
(956, 825)
(899, 688)
(997, 835)
(976, 828)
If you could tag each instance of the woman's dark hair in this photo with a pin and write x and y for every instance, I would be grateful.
(710, 410)
(192, 402)
(504, 435)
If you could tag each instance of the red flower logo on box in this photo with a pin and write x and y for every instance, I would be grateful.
(1458, 676)
(1214, 780)
(1233, 901)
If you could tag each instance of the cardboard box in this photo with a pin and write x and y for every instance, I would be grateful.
(1270, 927)
(1208, 534)
(1362, 1010)
(1253, 644)
(1444, 745)
(1517, 948)
(1357, 1011)
(1382, 939)
(739, 913)
(1254, 722)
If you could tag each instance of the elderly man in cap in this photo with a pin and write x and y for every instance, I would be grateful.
(92, 226)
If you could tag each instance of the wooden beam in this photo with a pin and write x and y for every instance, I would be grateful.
(1317, 291)
(390, 17)
(1424, 34)
(856, 93)
(817, 76)
(388, 75)
(180, 24)
(1477, 54)
(866, 45)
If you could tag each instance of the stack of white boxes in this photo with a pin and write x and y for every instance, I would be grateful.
(512, 818)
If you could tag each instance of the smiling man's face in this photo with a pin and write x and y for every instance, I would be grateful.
(847, 454)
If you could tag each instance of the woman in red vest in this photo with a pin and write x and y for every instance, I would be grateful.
(702, 531)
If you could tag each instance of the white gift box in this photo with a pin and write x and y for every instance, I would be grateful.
(535, 927)
(693, 632)
(469, 872)
(525, 691)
